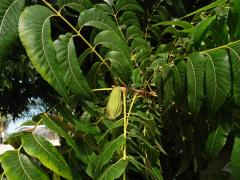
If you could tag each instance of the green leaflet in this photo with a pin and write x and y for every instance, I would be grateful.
(128, 5)
(106, 155)
(129, 18)
(73, 76)
(110, 40)
(40, 148)
(167, 79)
(201, 30)
(176, 22)
(217, 78)
(98, 19)
(216, 141)
(10, 11)
(114, 171)
(141, 167)
(179, 71)
(235, 160)
(236, 6)
(235, 62)
(35, 34)
(205, 8)
(78, 5)
(61, 132)
(19, 166)
(120, 65)
(134, 32)
(119, 57)
(195, 80)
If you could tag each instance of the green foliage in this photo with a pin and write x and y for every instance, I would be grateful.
(9, 18)
(19, 166)
(179, 74)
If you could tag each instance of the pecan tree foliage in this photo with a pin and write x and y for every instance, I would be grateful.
(178, 66)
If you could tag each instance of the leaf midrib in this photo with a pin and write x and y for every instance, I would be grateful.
(6, 12)
(47, 60)
(215, 80)
(195, 83)
(61, 165)
(19, 159)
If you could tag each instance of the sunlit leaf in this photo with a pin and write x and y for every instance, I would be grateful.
(35, 34)
(19, 166)
(9, 17)
(73, 76)
(40, 148)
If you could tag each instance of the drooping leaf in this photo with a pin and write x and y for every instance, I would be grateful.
(128, 5)
(106, 155)
(35, 34)
(141, 166)
(99, 19)
(112, 41)
(114, 171)
(129, 18)
(9, 17)
(83, 56)
(218, 78)
(119, 56)
(61, 132)
(208, 7)
(201, 30)
(168, 89)
(120, 65)
(73, 76)
(19, 166)
(40, 148)
(157, 172)
(78, 5)
(235, 159)
(152, 151)
(195, 81)
(216, 141)
(219, 32)
(179, 71)
(104, 7)
(235, 61)
(176, 22)
(111, 128)
(134, 32)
